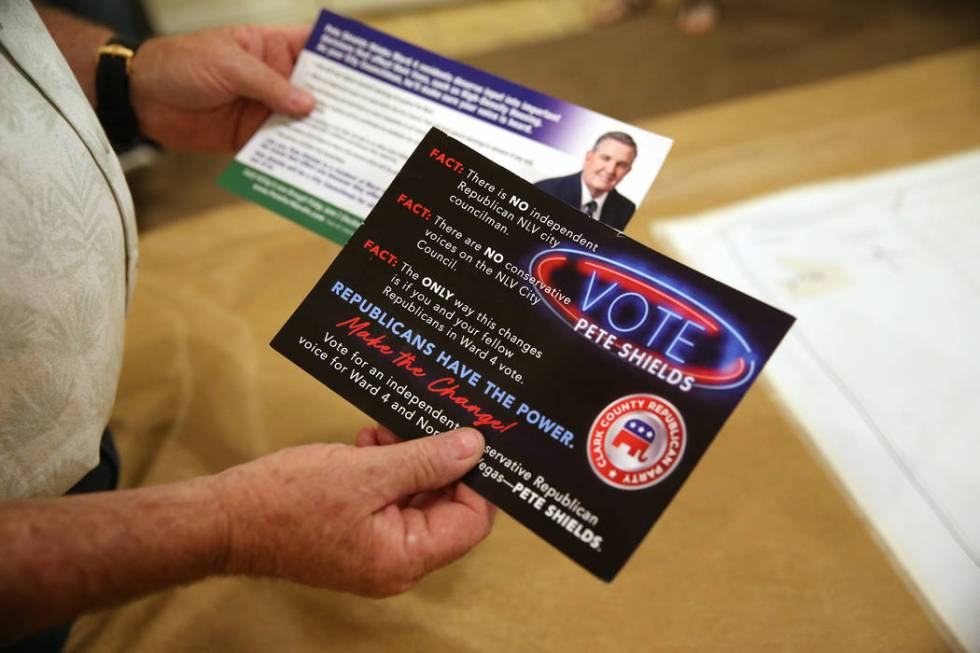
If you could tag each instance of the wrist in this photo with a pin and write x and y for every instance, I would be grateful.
(234, 490)
(113, 105)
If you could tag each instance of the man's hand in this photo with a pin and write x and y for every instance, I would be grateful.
(211, 90)
(368, 519)
(204, 91)
(372, 520)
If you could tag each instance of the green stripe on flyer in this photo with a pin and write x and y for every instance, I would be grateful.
(290, 202)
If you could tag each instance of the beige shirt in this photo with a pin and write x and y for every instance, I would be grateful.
(67, 265)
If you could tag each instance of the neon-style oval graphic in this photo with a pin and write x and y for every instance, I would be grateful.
(657, 325)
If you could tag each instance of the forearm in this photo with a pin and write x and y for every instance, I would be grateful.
(60, 557)
(78, 41)
(325, 515)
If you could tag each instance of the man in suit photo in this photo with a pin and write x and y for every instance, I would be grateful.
(592, 190)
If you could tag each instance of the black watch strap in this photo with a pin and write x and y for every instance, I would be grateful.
(112, 103)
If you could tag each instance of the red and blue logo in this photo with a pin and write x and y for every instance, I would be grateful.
(636, 441)
(647, 320)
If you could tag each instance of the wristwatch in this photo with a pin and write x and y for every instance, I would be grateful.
(114, 64)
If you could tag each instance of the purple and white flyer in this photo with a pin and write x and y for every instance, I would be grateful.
(377, 96)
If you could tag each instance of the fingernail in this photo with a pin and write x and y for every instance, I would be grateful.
(465, 443)
(301, 101)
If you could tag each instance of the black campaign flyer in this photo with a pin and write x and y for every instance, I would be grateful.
(598, 370)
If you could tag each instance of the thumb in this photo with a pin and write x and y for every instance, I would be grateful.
(255, 80)
(427, 463)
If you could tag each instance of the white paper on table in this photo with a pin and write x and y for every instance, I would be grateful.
(883, 365)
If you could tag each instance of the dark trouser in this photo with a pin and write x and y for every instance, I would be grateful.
(104, 477)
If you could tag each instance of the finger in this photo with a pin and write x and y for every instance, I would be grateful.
(469, 497)
(253, 79)
(296, 37)
(375, 436)
(387, 437)
(279, 52)
(456, 492)
(379, 436)
(426, 463)
(366, 437)
(423, 500)
(444, 530)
